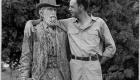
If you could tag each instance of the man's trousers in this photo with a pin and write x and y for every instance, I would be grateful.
(85, 70)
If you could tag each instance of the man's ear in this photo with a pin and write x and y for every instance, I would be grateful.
(81, 7)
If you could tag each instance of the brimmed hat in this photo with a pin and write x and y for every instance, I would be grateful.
(47, 3)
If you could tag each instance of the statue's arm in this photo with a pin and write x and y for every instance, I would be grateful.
(26, 57)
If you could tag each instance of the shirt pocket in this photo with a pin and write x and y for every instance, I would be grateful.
(92, 36)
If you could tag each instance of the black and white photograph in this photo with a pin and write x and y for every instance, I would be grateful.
(70, 40)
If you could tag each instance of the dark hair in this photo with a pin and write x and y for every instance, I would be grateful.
(85, 3)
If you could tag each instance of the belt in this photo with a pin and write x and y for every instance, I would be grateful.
(91, 58)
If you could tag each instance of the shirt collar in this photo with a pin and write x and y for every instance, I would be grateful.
(89, 25)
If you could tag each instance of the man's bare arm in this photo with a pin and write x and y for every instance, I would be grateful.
(35, 22)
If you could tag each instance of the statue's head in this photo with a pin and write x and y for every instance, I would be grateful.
(47, 11)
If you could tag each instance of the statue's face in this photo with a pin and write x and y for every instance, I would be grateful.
(48, 13)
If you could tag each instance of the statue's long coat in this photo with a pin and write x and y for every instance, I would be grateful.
(35, 51)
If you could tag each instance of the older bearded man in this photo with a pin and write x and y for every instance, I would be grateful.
(44, 52)
(86, 34)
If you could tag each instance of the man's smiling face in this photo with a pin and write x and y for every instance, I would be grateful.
(74, 8)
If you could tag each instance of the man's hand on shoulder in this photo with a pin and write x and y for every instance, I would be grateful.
(35, 22)
(29, 27)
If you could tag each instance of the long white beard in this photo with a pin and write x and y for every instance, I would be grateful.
(52, 21)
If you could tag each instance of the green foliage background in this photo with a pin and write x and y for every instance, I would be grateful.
(121, 16)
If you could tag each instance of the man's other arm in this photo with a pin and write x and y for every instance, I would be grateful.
(110, 47)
